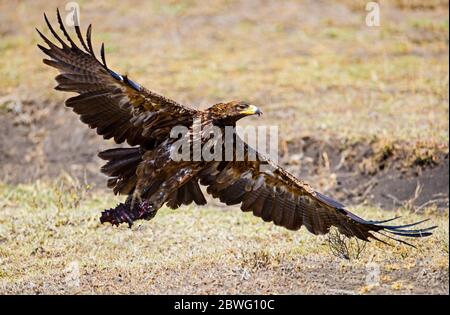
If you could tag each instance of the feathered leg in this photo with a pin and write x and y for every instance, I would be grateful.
(123, 213)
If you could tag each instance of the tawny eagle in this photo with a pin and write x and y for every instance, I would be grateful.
(119, 108)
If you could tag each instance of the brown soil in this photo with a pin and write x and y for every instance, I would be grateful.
(385, 175)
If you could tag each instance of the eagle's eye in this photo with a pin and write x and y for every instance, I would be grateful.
(247, 109)
(241, 107)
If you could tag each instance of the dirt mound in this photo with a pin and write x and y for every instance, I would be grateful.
(388, 175)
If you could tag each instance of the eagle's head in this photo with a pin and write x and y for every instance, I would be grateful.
(231, 112)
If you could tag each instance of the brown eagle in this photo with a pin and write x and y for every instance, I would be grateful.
(119, 108)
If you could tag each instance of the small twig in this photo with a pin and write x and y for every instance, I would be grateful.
(394, 199)
(326, 161)
(369, 186)
(429, 202)
(341, 161)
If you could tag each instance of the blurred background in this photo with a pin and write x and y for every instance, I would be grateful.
(362, 110)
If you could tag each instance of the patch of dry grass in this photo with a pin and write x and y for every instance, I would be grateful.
(48, 228)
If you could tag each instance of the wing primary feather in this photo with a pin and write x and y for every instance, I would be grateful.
(384, 221)
(63, 29)
(395, 227)
(419, 234)
(44, 49)
(78, 31)
(397, 240)
(102, 54)
(329, 201)
(46, 40)
(59, 39)
(414, 231)
(379, 240)
(89, 41)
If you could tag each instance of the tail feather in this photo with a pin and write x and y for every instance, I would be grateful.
(115, 168)
(186, 194)
(121, 167)
(118, 153)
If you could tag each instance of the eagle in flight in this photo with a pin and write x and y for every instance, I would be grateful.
(119, 108)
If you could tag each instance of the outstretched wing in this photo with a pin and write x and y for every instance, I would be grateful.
(273, 194)
(111, 103)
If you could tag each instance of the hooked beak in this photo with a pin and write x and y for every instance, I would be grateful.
(252, 110)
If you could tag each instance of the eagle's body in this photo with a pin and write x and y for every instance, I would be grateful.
(121, 109)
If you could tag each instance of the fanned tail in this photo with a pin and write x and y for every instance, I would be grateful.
(121, 167)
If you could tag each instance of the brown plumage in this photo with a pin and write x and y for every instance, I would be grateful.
(121, 109)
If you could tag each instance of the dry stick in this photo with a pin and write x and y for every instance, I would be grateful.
(440, 195)
(410, 203)
(429, 202)
(396, 201)
(369, 186)
(341, 161)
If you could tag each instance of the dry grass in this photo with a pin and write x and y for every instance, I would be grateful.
(47, 229)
